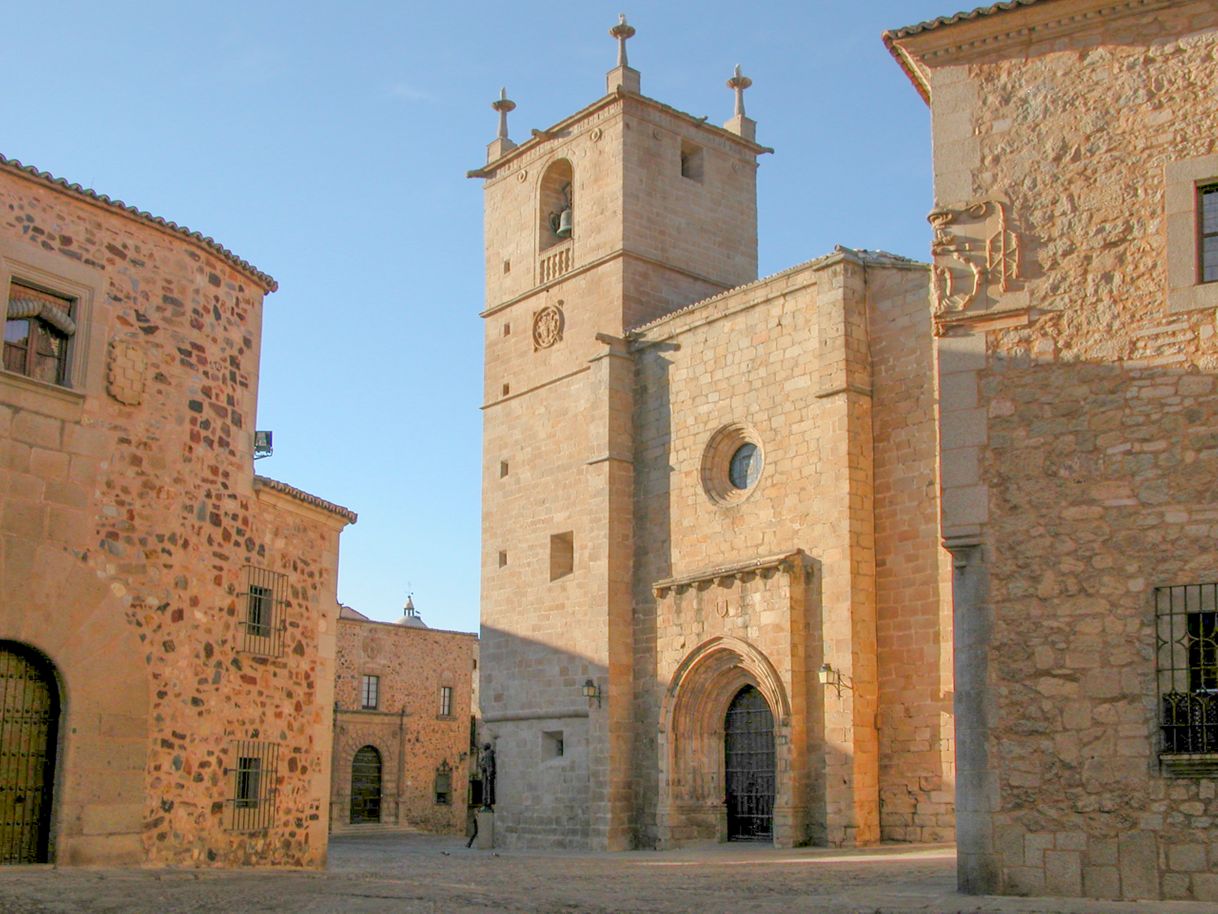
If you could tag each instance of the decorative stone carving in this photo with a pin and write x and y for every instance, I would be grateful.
(126, 372)
(976, 258)
(547, 326)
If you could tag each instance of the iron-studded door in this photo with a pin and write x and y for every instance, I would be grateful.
(29, 715)
(366, 786)
(749, 763)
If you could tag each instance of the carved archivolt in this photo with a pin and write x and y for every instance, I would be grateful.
(975, 254)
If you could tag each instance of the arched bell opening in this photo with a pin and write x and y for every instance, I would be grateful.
(366, 785)
(556, 205)
(29, 731)
(694, 778)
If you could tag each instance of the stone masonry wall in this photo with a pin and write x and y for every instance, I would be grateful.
(1079, 445)
(126, 526)
(406, 727)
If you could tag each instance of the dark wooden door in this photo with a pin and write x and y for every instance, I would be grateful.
(29, 717)
(748, 752)
(366, 786)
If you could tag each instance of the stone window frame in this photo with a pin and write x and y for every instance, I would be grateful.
(1186, 675)
(262, 611)
(1182, 180)
(446, 702)
(85, 286)
(370, 691)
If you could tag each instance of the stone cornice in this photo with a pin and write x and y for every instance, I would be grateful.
(796, 561)
(539, 137)
(969, 37)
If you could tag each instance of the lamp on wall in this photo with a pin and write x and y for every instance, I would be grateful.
(831, 677)
(591, 691)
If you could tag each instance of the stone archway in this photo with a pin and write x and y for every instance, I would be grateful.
(691, 741)
(29, 724)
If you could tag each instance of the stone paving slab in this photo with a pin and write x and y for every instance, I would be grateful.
(397, 872)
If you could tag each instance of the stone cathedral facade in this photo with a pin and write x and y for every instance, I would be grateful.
(711, 564)
(870, 549)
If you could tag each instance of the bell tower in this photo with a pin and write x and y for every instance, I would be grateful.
(618, 214)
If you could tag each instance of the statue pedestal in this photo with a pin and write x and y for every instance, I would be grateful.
(486, 829)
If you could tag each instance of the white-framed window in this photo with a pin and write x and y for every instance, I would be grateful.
(446, 701)
(1191, 203)
(369, 692)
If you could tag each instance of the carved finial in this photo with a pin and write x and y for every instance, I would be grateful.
(739, 83)
(622, 31)
(503, 105)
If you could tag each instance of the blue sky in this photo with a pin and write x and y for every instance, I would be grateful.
(328, 145)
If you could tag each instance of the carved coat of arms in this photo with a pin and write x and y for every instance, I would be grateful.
(976, 256)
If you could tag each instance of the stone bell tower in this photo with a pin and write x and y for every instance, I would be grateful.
(616, 215)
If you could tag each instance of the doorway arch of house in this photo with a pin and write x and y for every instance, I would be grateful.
(30, 704)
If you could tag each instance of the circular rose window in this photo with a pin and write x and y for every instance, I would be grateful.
(732, 464)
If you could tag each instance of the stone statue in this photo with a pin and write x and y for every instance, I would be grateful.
(486, 768)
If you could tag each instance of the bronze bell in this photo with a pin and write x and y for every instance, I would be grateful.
(561, 223)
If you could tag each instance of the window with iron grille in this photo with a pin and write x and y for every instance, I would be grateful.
(1186, 620)
(1207, 232)
(444, 784)
(37, 329)
(252, 776)
(370, 692)
(446, 701)
(261, 602)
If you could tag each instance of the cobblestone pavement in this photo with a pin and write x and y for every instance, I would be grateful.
(416, 873)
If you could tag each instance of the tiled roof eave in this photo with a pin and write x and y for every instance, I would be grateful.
(306, 498)
(30, 173)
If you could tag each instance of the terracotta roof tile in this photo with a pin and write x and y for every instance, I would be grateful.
(941, 21)
(302, 496)
(28, 171)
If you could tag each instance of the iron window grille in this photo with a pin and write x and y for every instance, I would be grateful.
(1186, 621)
(444, 784)
(253, 779)
(446, 701)
(263, 600)
(1207, 231)
(370, 692)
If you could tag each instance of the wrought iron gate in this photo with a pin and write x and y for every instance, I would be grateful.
(749, 763)
(29, 714)
(366, 786)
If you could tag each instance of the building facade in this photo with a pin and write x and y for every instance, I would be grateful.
(713, 594)
(403, 724)
(1076, 259)
(167, 619)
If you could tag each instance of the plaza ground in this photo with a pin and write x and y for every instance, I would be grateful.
(375, 872)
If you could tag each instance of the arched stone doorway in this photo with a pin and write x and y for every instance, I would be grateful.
(366, 786)
(694, 796)
(748, 763)
(29, 725)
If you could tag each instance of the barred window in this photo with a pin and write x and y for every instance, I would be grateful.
(1186, 619)
(444, 784)
(1207, 235)
(370, 692)
(262, 600)
(446, 701)
(252, 773)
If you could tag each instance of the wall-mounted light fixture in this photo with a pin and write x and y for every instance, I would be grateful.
(591, 691)
(831, 677)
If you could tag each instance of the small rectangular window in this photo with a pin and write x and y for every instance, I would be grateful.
(262, 601)
(691, 161)
(1207, 234)
(562, 555)
(502, 558)
(37, 329)
(252, 785)
(446, 701)
(1186, 619)
(370, 692)
(552, 743)
(503, 468)
(444, 784)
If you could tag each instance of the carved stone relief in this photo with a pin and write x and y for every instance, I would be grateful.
(976, 259)
(547, 326)
(126, 370)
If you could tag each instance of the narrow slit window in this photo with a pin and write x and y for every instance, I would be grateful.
(691, 161)
(562, 555)
(370, 689)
